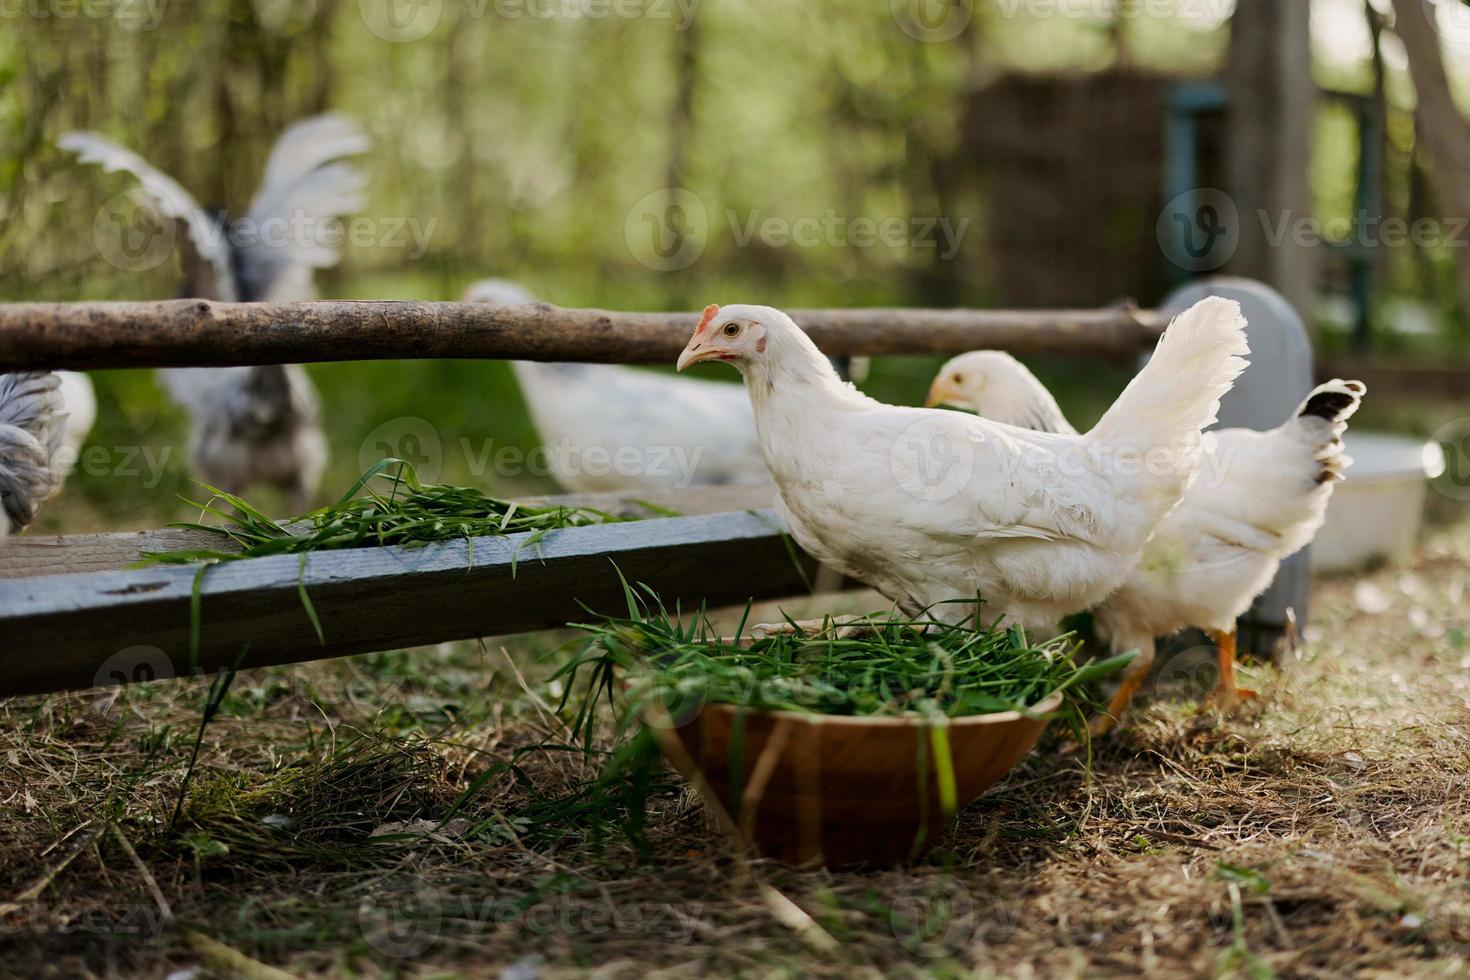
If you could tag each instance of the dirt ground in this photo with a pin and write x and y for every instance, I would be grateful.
(1324, 831)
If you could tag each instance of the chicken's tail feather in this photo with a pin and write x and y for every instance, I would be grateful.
(1335, 400)
(1322, 418)
(1161, 413)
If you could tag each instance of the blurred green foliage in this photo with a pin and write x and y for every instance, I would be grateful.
(522, 144)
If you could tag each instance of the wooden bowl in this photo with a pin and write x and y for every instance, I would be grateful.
(841, 790)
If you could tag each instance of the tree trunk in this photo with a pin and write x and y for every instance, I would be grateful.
(1272, 98)
(1440, 128)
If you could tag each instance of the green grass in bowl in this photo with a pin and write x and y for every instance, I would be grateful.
(898, 666)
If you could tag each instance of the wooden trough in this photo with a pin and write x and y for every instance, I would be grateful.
(69, 606)
(74, 615)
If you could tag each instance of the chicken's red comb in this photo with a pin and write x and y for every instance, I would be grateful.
(710, 312)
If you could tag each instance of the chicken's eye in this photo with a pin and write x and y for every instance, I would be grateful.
(732, 330)
(958, 379)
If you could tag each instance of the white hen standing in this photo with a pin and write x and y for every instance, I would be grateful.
(32, 433)
(1259, 498)
(618, 429)
(930, 507)
(255, 425)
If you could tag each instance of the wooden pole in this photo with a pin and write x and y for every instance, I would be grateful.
(199, 333)
(1272, 106)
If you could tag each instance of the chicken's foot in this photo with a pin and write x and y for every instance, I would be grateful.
(1227, 693)
(841, 627)
(1122, 697)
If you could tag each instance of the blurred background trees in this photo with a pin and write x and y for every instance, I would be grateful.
(546, 140)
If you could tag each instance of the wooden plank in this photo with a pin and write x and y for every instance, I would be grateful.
(35, 555)
(31, 555)
(199, 333)
(79, 630)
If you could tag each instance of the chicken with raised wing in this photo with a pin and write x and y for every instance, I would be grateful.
(255, 425)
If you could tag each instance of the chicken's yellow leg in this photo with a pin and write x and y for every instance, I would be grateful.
(1227, 694)
(1122, 697)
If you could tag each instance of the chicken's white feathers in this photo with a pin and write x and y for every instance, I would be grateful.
(162, 194)
(1257, 498)
(32, 432)
(608, 428)
(292, 220)
(80, 399)
(1158, 418)
(931, 506)
(1268, 491)
(257, 425)
(996, 386)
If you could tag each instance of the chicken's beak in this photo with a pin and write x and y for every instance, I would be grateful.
(938, 395)
(697, 351)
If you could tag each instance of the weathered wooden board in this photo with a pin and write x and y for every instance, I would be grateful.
(199, 333)
(72, 631)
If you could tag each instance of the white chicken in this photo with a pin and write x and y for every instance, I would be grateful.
(32, 435)
(618, 429)
(936, 509)
(1258, 498)
(255, 425)
(80, 399)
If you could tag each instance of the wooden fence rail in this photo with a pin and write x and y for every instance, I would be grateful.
(199, 333)
(73, 614)
(61, 628)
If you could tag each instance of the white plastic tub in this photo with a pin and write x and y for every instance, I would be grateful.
(1375, 512)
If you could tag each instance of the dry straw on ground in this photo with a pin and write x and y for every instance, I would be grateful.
(400, 815)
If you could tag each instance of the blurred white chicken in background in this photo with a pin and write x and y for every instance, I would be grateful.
(1258, 498)
(256, 425)
(931, 507)
(80, 399)
(33, 433)
(618, 429)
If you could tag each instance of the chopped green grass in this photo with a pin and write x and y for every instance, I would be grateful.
(388, 505)
(896, 666)
(668, 668)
